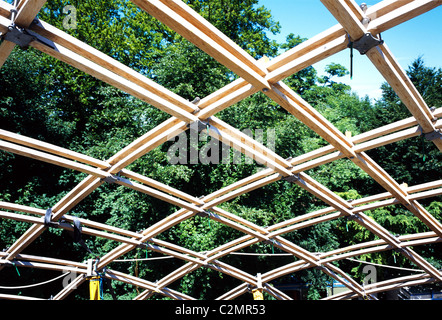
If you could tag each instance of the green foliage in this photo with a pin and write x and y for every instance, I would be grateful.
(304, 80)
(189, 72)
(243, 22)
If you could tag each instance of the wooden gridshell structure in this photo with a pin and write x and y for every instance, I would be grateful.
(357, 23)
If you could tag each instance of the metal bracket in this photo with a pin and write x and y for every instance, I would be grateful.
(365, 43)
(353, 217)
(23, 37)
(431, 136)
(363, 7)
(292, 178)
(197, 125)
(19, 36)
(111, 179)
(91, 268)
(204, 214)
(47, 218)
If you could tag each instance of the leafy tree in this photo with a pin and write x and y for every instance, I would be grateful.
(243, 22)
(304, 80)
(415, 160)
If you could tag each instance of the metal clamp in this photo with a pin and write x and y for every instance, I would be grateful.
(204, 214)
(47, 218)
(431, 136)
(23, 37)
(18, 36)
(292, 178)
(352, 217)
(111, 179)
(365, 43)
(197, 125)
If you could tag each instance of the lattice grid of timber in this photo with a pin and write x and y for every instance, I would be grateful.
(362, 25)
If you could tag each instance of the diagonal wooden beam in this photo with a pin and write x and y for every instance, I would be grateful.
(197, 30)
(82, 49)
(207, 28)
(63, 54)
(408, 10)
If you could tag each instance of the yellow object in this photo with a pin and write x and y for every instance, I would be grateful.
(94, 288)
(257, 294)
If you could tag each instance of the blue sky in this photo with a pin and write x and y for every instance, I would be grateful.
(421, 36)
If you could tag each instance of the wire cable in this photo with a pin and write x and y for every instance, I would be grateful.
(144, 259)
(385, 266)
(35, 284)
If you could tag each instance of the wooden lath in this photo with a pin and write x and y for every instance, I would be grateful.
(255, 76)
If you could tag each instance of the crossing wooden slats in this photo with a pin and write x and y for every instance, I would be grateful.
(208, 29)
(294, 104)
(6, 47)
(390, 69)
(384, 60)
(82, 190)
(401, 84)
(256, 77)
(27, 10)
(346, 14)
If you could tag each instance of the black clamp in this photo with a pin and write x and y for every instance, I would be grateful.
(293, 178)
(47, 218)
(204, 214)
(352, 217)
(77, 230)
(431, 136)
(111, 179)
(434, 135)
(23, 37)
(77, 235)
(365, 43)
(197, 125)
